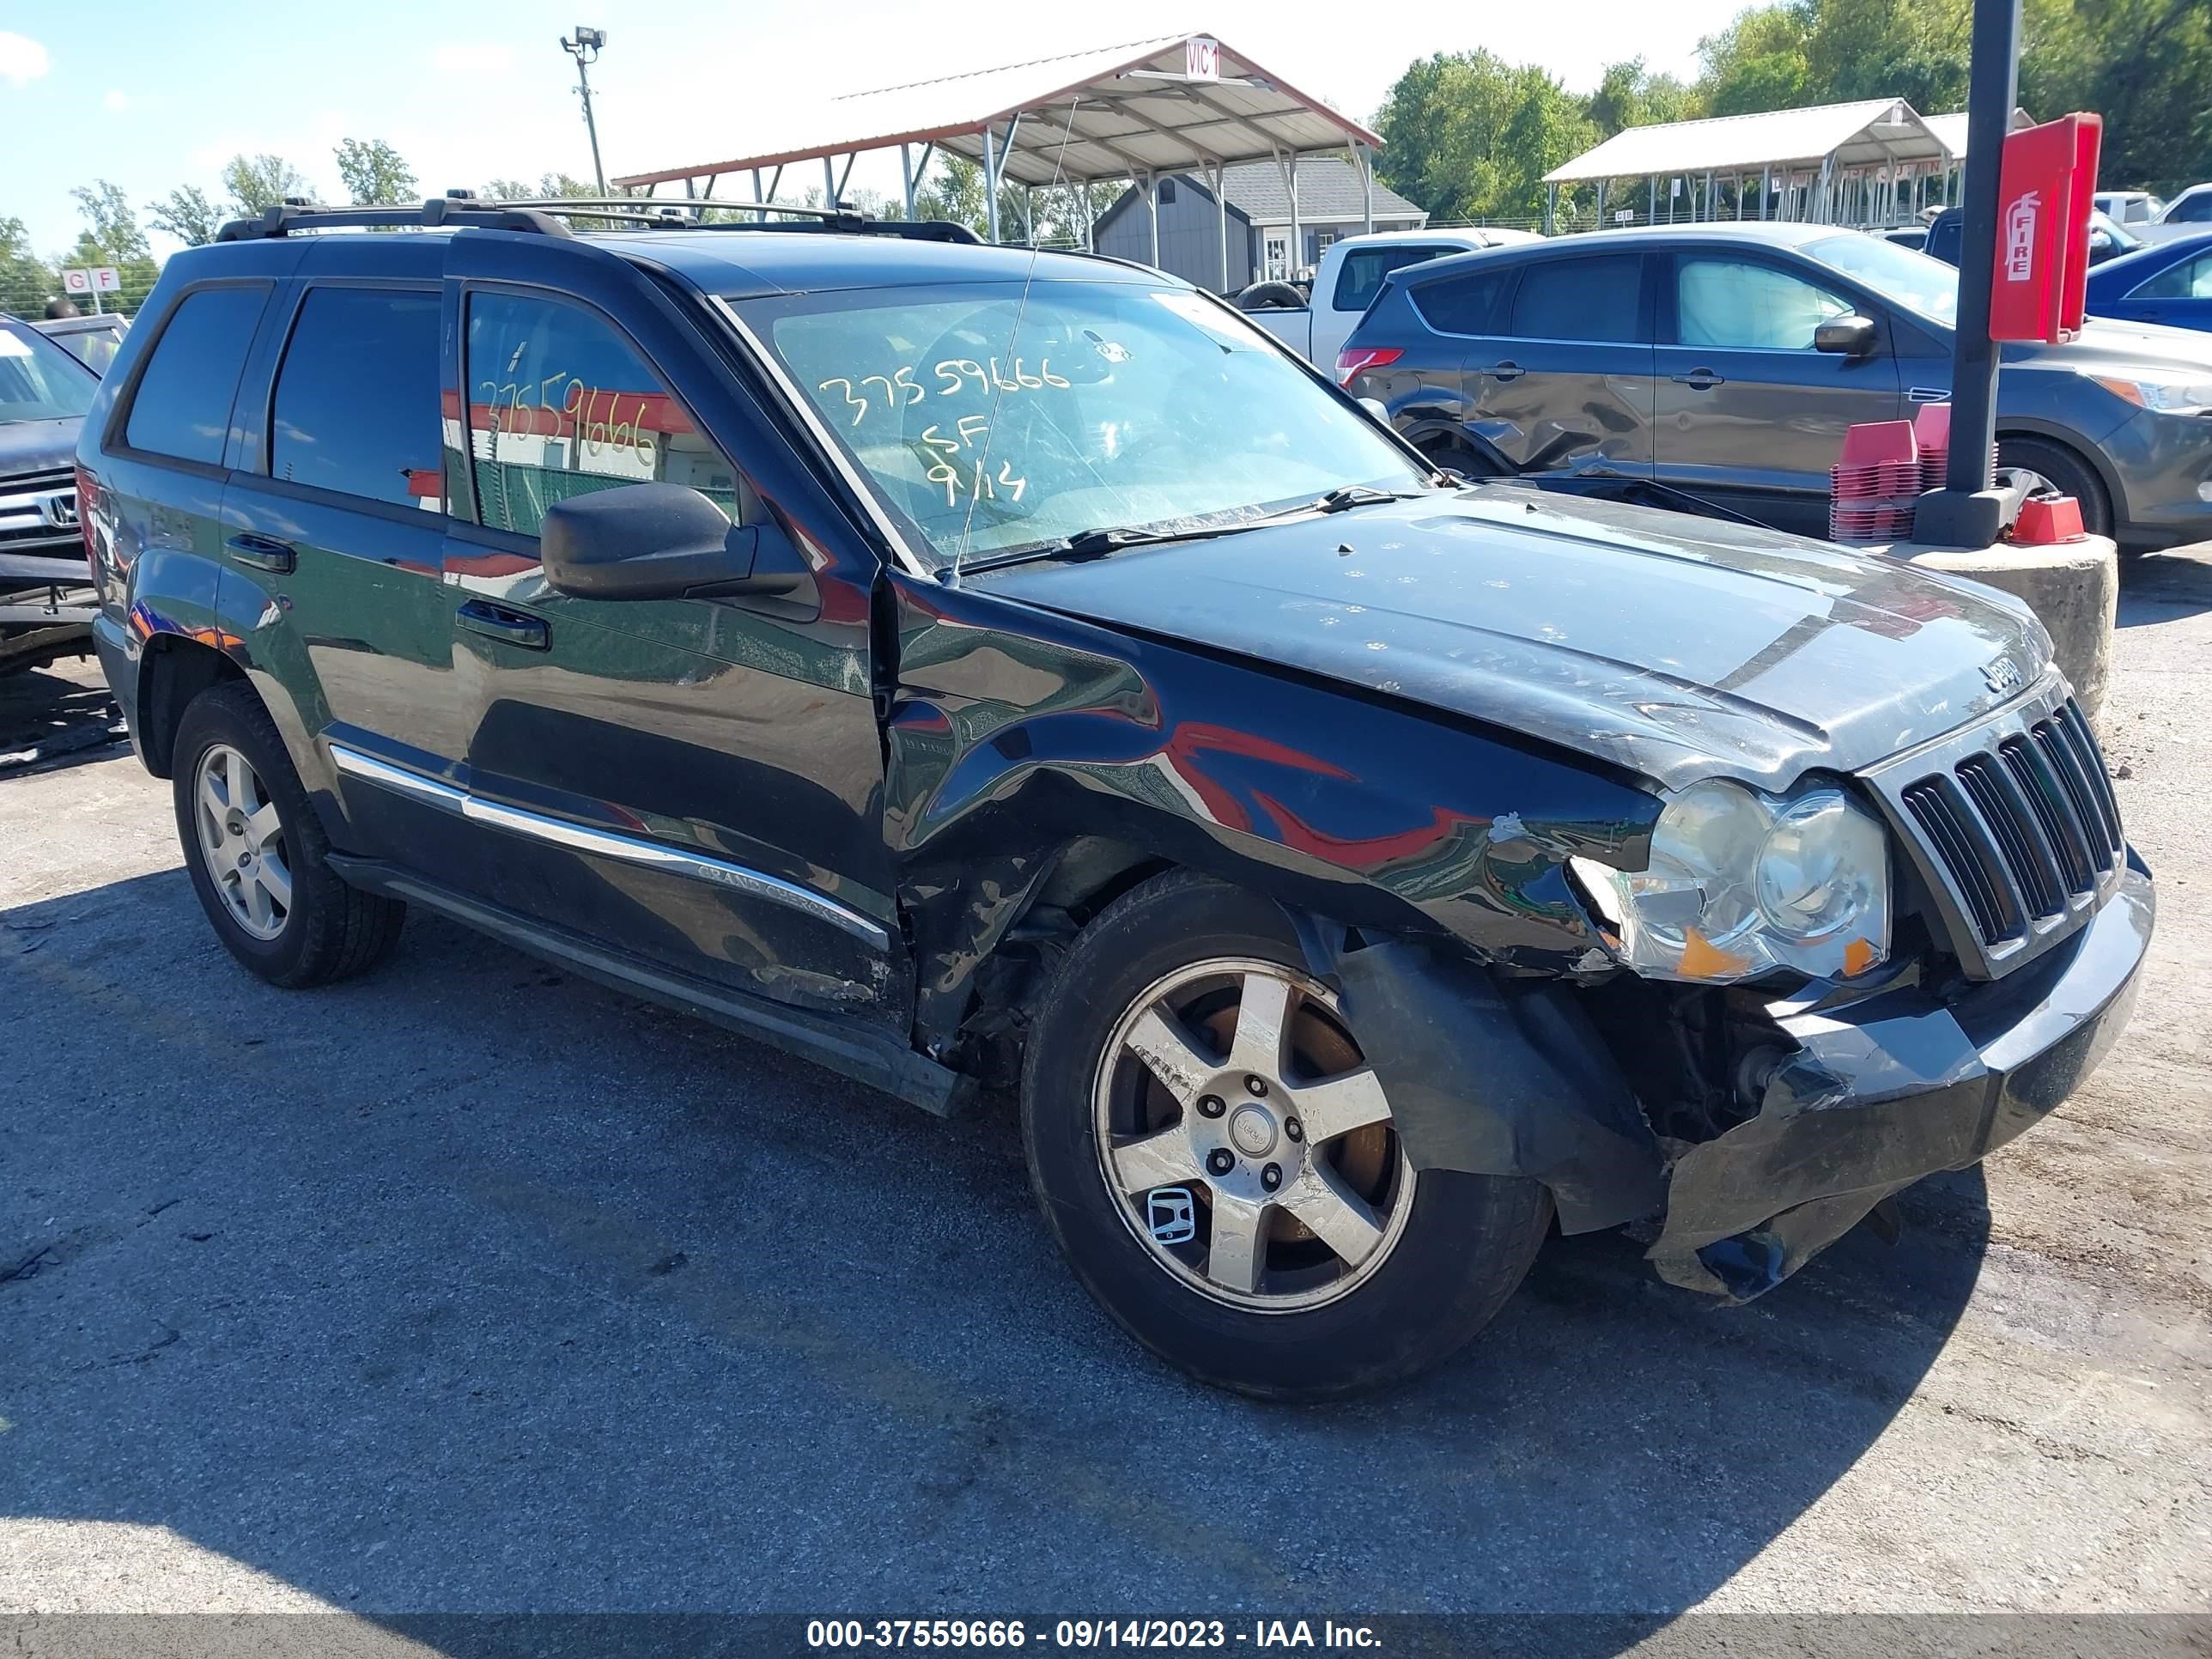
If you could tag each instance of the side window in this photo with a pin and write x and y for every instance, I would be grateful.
(2184, 279)
(356, 407)
(182, 404)
(1361, 278)
(2192, 209)
(1750, 307)
(559, 404)
(1595, 298)
(1464, 305)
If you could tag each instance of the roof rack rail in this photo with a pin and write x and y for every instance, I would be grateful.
(293, 213)
(669, 213)
(458, 209)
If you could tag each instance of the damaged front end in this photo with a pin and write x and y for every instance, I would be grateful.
(1741, 1134)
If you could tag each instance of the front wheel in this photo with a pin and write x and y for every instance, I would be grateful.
(1219, 1163)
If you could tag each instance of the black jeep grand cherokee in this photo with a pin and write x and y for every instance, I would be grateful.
(968, 667)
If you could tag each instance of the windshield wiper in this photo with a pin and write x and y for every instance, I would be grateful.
(1098, 542)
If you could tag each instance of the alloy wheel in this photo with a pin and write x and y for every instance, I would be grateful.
(1247, 1144)
(242, 838)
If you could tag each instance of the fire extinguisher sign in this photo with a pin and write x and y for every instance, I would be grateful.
(2045, 188)
(2020, 225)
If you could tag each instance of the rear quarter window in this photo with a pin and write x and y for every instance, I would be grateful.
(1361, 278)
(181, 405)
(1469, 304)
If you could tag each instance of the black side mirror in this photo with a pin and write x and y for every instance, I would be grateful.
(661, 541)
(1847, 337)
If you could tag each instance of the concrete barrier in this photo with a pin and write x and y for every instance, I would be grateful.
(2073, 588)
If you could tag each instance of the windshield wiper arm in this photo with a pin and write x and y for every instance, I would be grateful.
(1345, 496)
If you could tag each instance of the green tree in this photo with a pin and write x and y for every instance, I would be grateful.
(1630, 95)
(1469, 135)
(27, 282)
(372, 172)
(112, 237)
(186, 214)
(1759, 61)
(255, 182)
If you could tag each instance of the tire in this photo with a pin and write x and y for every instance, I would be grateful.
(320, 929)
(1311, 1322)
(1461, 456)
(2068, 474)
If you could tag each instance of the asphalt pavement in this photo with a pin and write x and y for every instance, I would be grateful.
(471, 1287)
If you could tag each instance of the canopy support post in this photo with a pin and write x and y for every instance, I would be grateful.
(991, 179)
(1221, 212)
(828, 183)
(1028, 214)
(1153, 211)
(1550, 209)
(906, 177)
(1651, 214)
(1366, 162)
(1766, 187)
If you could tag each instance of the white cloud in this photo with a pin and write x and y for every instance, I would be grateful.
(112, 100)
(462, 59)
(23, 59)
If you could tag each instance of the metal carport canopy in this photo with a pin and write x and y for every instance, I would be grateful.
(1876, 132)
(1115, 112)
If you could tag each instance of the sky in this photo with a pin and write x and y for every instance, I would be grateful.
(150, 95)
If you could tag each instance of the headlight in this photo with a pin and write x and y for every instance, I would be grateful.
(2165, 397)
(1741, 882)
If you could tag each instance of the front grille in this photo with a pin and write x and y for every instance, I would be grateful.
(25, 525)
(2016, 825)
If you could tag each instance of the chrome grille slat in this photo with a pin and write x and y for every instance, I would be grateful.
(2013, 825)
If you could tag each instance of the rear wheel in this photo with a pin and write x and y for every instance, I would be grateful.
(257, 855)
(2069, 475)
(1220, 1165)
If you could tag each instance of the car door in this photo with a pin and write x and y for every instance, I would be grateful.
(1565, 383)
(2179, 296)
(695, 783)
(337, 518)
(1747, 413)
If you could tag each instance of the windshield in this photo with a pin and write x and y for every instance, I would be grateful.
(1901, 274)
(40, 382)
(992, 421)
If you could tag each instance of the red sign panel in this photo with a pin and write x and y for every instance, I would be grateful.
(2043, 191)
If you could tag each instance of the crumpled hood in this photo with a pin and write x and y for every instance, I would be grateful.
(1676, 646)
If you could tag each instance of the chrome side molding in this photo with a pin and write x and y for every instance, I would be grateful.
(605, 843)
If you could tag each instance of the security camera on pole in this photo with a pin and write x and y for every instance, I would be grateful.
(584, 49)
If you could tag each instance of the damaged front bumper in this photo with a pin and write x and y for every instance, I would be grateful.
(1875, 1095)
(1883, 1092)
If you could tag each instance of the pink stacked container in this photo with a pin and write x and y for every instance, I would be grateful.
(1873, 488)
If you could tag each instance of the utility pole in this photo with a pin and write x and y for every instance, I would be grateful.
(584, 49)
(1965, 512)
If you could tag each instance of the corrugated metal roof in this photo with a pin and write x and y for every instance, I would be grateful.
(1950, 130)
(1100, 114)
(1869, 133)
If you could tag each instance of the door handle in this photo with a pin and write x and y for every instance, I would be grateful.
(1699, 380)
(1508, 370)
(511, 627)
(262, 552)
(1927, 394)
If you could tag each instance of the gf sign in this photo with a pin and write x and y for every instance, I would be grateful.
(99, 279)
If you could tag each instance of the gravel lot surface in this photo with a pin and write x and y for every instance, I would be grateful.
(471, 1287)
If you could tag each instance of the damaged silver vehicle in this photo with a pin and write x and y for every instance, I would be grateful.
(971, 668)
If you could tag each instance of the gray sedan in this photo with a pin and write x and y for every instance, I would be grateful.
(1727, 360)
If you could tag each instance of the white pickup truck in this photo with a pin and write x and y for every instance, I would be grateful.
(1350, 276)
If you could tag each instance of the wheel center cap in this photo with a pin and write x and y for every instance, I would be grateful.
(1253, 1129)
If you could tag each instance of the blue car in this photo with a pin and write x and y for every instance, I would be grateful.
(2168, 283)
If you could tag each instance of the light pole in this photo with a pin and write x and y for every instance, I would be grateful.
(584, 49)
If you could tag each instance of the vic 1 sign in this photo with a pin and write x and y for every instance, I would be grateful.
(99, 279)
(1202, 59)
